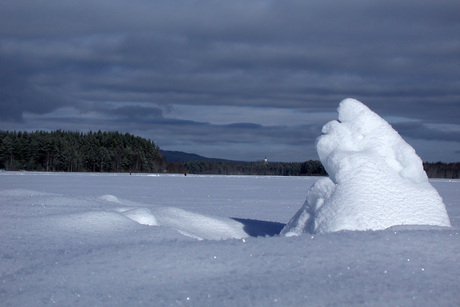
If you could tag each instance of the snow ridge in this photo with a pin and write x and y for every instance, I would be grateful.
(193, 225)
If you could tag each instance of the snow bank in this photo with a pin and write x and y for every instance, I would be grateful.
(107, 218)
(376, 180)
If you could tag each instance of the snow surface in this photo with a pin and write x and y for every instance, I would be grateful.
(121, 240)
(376, 180)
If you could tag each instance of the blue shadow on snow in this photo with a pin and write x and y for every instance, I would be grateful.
(256, 228)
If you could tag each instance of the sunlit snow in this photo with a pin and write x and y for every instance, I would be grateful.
(121, 240)
(376, 180)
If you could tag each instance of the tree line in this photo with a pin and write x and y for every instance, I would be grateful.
(116, 152)
(442, 170)
(78, 152)
(308, 168)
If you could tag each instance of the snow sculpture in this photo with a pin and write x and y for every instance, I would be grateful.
(376, 180)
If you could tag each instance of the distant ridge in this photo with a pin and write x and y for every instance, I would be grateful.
(180, 156)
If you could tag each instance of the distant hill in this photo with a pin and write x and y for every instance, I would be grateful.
(180, 156)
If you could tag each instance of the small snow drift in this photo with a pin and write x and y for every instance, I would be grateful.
(376, 180)
(200, 226)
(142, 216)
(190, 224)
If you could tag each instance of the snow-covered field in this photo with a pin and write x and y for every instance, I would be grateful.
(163, 240)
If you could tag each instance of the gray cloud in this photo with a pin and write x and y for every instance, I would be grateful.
(133, 61)
(418, 130)
(137, 112)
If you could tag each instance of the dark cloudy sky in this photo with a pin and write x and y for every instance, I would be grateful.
(232, 79)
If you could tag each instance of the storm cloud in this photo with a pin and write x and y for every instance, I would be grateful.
(236, 79)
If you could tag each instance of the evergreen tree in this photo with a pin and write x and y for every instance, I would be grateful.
(78, 152)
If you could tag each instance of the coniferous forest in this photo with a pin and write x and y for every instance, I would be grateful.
(64, 151)
(308, 168)
(78, 152)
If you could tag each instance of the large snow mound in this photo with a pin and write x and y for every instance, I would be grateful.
(376, 180)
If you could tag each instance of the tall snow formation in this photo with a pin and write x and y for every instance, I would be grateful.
(376, 180)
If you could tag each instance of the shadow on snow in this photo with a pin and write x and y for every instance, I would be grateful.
(256, 228)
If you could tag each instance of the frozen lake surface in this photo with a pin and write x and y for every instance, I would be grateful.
(164, 240)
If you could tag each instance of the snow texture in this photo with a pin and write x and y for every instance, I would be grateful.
(120, 240)
(376, 180)
(194, 225)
